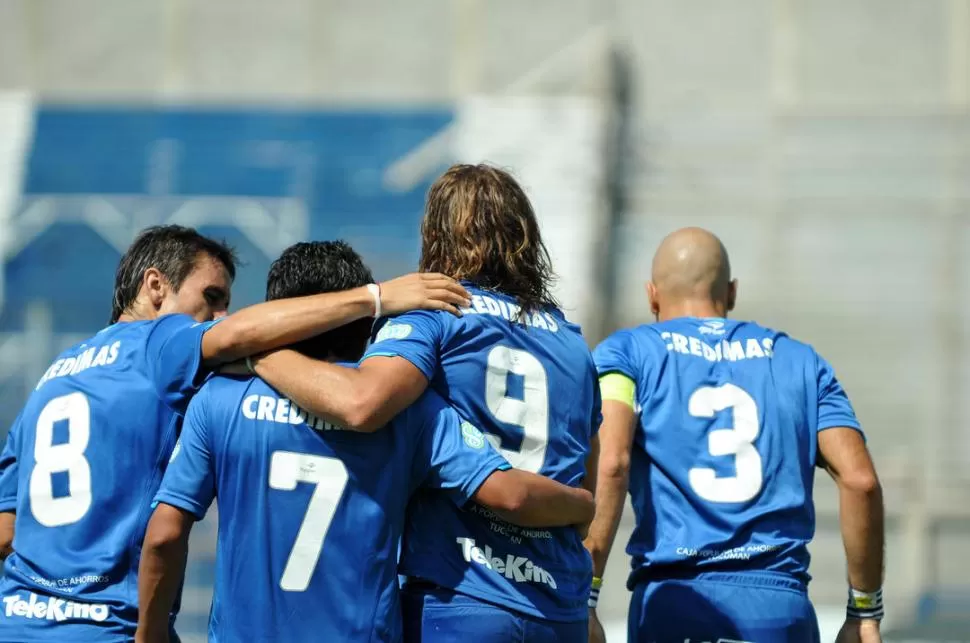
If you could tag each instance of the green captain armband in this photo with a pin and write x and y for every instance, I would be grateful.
(618, 388)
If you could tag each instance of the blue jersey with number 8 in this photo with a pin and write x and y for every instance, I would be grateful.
(529, 382)
(725, 452)
(79, 469)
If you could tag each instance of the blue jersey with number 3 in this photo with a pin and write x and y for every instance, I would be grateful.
(310, 516)
(79, 468)
(529, 382)
(725, 451)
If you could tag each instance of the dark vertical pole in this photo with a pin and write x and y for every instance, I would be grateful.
(618, 158)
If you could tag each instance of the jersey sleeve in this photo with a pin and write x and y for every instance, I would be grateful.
(614, 355)
(452, 454)
(9, 468)
(189, 482)
(415, 336)
(174, 353)
(616, 366)
(834, 408)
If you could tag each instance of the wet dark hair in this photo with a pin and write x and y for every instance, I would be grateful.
(174, 251)
(479, 225)
(315, 267)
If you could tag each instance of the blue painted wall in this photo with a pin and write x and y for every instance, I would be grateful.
(333, 161)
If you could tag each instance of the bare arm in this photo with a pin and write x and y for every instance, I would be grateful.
(361, 399)
(612, 480)
(279, 323)
(531, 500)
(7, 520)
(843, 453)
(592, 465)
(161, 570)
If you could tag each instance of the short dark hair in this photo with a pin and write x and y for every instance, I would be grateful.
(315, 267)
(174, 251)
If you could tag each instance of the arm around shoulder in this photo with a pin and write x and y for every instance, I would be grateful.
(362, 399)
(282, 322)
(273, 324)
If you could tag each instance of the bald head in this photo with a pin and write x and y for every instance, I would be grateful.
(692, 264)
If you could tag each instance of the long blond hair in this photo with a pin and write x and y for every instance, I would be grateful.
(480, 226)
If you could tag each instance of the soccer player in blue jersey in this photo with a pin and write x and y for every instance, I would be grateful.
(88, 450)
(718, 425)
(513, 366)
(310, 515)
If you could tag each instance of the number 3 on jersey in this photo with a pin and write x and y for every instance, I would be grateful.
(738, 441)
(66, 457)
(531, 412)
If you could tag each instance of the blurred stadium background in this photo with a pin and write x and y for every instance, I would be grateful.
(826, 141)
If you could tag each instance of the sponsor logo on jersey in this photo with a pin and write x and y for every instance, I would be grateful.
(474, 438)
(515, 568)
(88, 358)
(393, 331)
(712, 327)
(53, 609)
(281, 410)
(485, 305)
(722, 350)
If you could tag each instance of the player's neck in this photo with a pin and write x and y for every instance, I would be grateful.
(139, 311)
(693, 308)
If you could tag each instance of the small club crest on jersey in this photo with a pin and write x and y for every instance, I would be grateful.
(393, 330)
(472, 436)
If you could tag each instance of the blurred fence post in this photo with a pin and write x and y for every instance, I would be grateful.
(38, 342)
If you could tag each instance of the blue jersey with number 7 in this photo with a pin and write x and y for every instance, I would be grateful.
(725, 450)
(310, 516)
(79, 468)
(529, 382)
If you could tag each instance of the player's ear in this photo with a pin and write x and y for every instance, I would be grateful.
(155, 286)
(654, 300)
(732, 294)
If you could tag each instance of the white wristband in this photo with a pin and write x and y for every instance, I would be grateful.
(375, 291)
(865, 605)
(594, 593)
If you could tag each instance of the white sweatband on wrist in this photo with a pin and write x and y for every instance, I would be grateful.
(375, 292)
(866, 605)
(594, 593)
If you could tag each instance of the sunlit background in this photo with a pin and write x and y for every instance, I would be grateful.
(826, 142)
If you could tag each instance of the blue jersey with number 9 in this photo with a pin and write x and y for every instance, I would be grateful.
(725, 452)
(79, 469)
(529, 382)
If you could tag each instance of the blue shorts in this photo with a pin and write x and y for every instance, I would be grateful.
(437, 615)
(763, 607)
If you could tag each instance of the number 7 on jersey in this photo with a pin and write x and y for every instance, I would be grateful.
(329, 478)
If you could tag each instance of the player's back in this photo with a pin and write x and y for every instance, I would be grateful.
(80, 467)
(310, 515)
(529, 382)
(723, 473)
